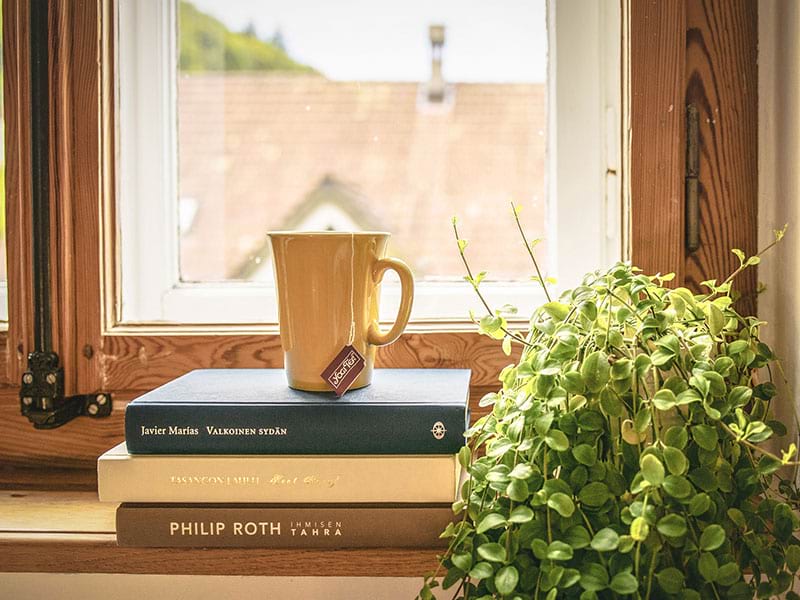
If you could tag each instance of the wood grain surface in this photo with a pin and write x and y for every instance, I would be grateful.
(141, 362)
(52, 478)
(71, 532)
(722, 82)
(657, 113)
(16, 106)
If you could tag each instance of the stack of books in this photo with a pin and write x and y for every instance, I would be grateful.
(235, 458)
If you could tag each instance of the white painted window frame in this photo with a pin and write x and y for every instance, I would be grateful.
(584, 199)
(3, 305)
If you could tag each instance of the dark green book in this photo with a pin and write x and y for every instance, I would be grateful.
(253, 411)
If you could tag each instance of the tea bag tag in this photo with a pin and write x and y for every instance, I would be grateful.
(349, 363)
(344, 369)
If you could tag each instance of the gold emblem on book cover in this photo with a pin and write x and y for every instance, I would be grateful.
(438, 430)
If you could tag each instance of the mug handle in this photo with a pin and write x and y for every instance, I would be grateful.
(374, 334)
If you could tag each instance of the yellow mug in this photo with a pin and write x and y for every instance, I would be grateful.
(326, 281)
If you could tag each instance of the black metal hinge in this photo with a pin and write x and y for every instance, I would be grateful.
(42, 398)
(692, 178)
(41, 394)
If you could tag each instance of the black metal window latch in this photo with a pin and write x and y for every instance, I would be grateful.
(41, 394)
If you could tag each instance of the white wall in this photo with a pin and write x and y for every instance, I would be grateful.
(37, 586)
(779, 187)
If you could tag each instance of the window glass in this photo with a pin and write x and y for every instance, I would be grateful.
(360, 115)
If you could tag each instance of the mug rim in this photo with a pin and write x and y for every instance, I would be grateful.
(326, 233)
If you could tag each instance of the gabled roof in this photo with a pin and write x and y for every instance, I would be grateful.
(328, 193)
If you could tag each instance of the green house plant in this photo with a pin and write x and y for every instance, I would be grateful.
(624, 455)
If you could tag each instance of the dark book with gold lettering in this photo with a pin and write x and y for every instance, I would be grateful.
(252, 411)
(282, 526)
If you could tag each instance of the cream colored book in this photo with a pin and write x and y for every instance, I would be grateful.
(174, 478)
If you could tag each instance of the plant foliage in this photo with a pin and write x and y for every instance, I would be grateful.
(624, 455)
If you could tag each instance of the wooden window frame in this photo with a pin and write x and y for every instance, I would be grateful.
(665, 46)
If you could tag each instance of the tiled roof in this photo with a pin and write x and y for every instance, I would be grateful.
(253, 146)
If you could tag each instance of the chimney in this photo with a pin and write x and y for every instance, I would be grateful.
(436, 84)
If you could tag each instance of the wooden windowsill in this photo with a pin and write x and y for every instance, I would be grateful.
(71, 532)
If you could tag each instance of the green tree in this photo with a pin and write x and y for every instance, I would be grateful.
(206, 44)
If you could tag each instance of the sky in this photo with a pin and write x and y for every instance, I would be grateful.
(368, 40)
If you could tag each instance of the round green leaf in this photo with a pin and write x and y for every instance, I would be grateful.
(506, 579)
(591, 420)
(676, 436)
(517, 490)
(610, 402)
(662, 357)
(462, 560)
(585, 454)
(728, 574)
(542, 424)
(737, 516)
(718, 387)
(521, 514)
(705, 436)
(652, 469)
(594, 577)
(577, 536)
(539, 548)
(557, 440)
(624, 583)
(626, 544)
(743, 591)
(521, 471)
(699, 504)
(642, 420)
(639, 529)
(605, 540)
(464, 456)
(562, 504)
(715, 319)
(708, 567)
(557, 310)
(677, 486)
(793, 558)
(783, 522)
(737, 347)
(664, 399)
(490, 521)
(569, 578)
(739, 396)
(621, 369)
(676, 460)
(704, 478)
(573, 382)
(594, 494)
(492, 551)
(671, 526)
(595, 371)
(670, 580)
(687, 397)
(712, 538)
(559, 551)
(482, 570)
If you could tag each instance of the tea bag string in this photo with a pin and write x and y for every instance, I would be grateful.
(352, 336)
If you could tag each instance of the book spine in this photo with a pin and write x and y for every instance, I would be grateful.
(260, 526)
(270, 429)
(277, 479)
